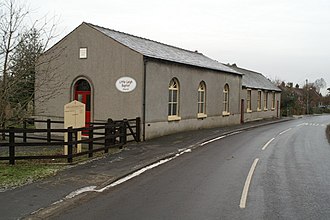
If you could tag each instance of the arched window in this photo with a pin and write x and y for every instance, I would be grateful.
(226, 100)
(82, 85)
(173, 100)
(82, 93)
(201, 100)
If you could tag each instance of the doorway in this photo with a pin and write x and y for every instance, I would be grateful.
(242, 111)
(82, 93)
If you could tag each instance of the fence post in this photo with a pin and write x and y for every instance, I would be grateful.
(70, 134)
(123, 132)
(112, 131)
(49, 123)
(138, 129)
(3, 133)
(11, 146)
(91, 141)
(76, 139)
(24, 130)
(108, 135)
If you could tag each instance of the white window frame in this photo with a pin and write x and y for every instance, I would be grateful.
(265, 101)
(83, 53)
(273, 100)
(201, 100)
(226, 100)
(174, 100)
(259, 101)
(248, 101)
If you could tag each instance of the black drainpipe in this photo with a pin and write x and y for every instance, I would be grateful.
(144, 98)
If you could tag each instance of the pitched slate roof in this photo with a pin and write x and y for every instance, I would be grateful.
(254, 80)
(162, 51)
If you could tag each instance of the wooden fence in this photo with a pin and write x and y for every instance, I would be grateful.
(100, 136)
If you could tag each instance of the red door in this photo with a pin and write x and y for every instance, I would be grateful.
(82, 94)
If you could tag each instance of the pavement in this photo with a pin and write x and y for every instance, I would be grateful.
(43, 198)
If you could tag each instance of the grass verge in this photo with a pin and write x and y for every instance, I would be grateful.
(25, 172)
(28, 171)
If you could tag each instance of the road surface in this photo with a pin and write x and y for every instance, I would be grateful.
(279, 171)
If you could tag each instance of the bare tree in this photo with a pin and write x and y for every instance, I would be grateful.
(320, 84)
(10, 27)
(21, 46)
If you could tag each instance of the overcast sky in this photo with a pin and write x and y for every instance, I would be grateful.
(284, 39)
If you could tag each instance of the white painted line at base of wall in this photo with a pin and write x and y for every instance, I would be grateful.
(236, 132)
(285, 131)
(218, 138)
(80, 191)
(266, 145)
(212, 140)
(119, 181)
(245, 192)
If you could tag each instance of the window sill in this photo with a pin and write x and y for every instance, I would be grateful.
(225, 113)
(173, 118)
(201, 115)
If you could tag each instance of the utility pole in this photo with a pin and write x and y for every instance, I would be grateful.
(307, 96)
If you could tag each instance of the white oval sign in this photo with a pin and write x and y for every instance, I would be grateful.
(126, 84)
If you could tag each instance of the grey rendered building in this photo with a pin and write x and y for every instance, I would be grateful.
(118, 76)
(260, 98)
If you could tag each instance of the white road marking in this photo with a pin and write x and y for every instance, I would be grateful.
(266, 145)
(285, 131)
(245, 192)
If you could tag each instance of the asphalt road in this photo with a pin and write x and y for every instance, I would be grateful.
(279, 171)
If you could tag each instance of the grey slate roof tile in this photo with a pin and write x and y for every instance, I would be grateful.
(162, 51)
(254, 80)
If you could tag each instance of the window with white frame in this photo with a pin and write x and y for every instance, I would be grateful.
(173, 100)
(226, 100)
(83, 53)
(259, 101)
(201, 100)
(265, 100)
(248, 101)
